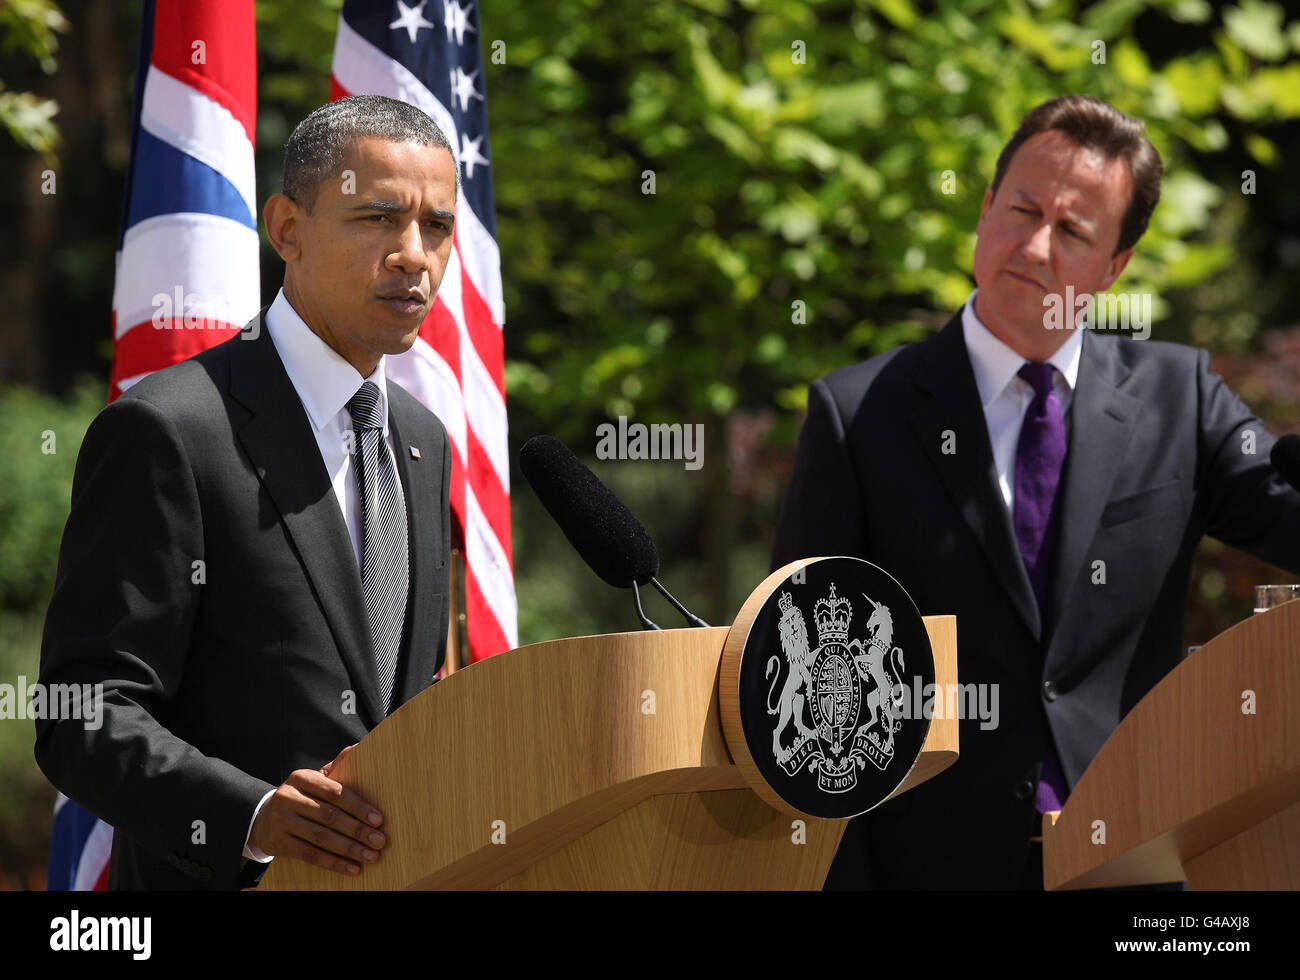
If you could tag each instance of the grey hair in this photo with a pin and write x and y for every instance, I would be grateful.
(318, 144)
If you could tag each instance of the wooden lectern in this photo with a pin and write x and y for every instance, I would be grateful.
(1201, 780)
(595, 762)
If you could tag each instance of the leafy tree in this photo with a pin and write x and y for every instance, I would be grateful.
(31, 27)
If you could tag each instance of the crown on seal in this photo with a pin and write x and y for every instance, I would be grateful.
(832, 617)
(789, 611)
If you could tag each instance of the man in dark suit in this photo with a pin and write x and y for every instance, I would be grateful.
(1047, 486)
(255, 564)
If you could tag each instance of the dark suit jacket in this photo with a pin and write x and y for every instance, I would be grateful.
(1155, 461)
(221, 678)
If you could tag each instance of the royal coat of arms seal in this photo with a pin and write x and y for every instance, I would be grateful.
(824, 712)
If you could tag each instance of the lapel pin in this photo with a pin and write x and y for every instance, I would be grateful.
(415, 453)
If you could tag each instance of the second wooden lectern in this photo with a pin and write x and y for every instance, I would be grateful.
(1201, 780)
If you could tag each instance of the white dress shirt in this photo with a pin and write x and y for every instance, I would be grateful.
(325, 383)
(1006, 396)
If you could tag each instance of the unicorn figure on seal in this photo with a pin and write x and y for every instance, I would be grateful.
(886, 695)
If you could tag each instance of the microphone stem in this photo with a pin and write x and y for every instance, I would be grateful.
(691, 618)
(646, 621)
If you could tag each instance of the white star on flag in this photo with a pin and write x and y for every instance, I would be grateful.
(456, 20)
(469, 154)
(462, 87)
(411, 18)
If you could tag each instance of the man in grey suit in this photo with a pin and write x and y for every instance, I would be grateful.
(255, 565)
(1047, 486)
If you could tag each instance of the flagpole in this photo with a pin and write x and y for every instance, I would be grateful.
(456, 619)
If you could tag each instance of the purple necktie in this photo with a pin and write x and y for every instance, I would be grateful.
(1040, 457)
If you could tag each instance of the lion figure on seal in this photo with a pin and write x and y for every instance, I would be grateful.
(798, 679)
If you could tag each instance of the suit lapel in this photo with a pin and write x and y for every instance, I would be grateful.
(1101, 423)
(279, 441)
(946, 399)
(422, 490)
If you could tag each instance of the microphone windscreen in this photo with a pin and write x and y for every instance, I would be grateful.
(1285, 458)
(597, 524)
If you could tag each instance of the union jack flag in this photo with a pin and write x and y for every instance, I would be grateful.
(187, 260)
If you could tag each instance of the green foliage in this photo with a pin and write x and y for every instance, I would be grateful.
(295, 43)
(801, 217)
(30, 27)
(35, 495)
(30, 120)
(799, 154)
(28, 799)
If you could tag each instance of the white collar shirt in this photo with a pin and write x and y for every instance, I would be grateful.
(325, 383)
(1005, 396)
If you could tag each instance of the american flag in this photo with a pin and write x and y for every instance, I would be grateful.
(429, 54)
(187, 259)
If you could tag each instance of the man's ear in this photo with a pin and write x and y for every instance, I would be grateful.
(1116, 267)
(282, 215)
(984, 208)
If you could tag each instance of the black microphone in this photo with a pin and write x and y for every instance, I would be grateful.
(1285, 458)
(598, 525)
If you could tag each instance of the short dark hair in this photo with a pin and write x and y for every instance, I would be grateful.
(318, 144)
(1097, 125)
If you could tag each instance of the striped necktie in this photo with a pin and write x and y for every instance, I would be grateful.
(385, 573)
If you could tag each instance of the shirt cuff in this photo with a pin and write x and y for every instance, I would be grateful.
(251, 852)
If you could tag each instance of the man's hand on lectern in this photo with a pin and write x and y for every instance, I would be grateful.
(315, 819)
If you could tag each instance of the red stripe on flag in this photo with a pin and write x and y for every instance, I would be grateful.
(486, 638)
(224, 66)
(490, 494)
(145, 347)
(439, 331)
(485, 334)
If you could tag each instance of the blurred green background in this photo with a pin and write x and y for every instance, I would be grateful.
(818, 169)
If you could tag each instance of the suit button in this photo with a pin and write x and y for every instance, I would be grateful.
(1024, 789)
(1049, 690)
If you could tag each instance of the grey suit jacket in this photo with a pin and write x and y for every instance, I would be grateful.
(207, 580)
(1158, 457)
